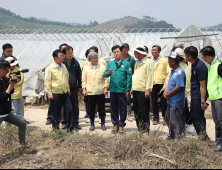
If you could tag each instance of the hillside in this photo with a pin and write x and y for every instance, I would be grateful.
(133, 22)
(9, 22)
(119, 23)
(217, 26)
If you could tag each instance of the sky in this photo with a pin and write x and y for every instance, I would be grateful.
(180, 13)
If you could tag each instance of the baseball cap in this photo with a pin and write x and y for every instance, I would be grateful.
(125, 45)
(174, 55)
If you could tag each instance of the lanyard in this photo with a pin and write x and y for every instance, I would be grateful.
(4, 84)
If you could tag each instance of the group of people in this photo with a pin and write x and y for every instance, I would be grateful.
(171, 79)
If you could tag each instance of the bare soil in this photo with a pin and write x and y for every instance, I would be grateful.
(59, 150)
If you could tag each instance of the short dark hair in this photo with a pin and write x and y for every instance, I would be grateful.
(56, 52)
(66, 49)
(115, 47)
(177, 61)
(158, 47)
(87, 53)
(4, 64)
(146, 48)
(173, 49)
(191, 51)
(64, 44)
(94, 48)
(5, 46)
(208, 51)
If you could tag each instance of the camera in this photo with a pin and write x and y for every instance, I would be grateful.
(17, 74)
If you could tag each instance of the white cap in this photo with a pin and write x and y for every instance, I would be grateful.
(140, 49)
(11, 61)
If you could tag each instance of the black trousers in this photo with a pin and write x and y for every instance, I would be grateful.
(63, 114)
(155, 91)
(59, 100)
(197, 116)
(49, 115)
(141, 110)
(100, 101)
(75, 107)
(187, 112)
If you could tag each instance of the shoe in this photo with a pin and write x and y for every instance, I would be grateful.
(103, 119)
(49, 122)
(121, 130)
(217, 134)
(156, 122)
(115, 129)
(219, 146)
(88, 121)
(96, 116)
(100, 121)
(190, 129)
(27, 122)
(169, 138)
(77, 127)
(64, 126)
(86, 116)
(92, 120)
(22, 150)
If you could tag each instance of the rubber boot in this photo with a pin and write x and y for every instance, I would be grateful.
(103, 119)
(219, 146)
(96, 116)
(217, 134)
(92, 120)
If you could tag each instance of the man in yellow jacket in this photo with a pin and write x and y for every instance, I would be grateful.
(57, 87)
(49, 121)
(141, 87)
(161, 68)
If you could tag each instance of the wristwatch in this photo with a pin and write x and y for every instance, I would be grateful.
(203, 102)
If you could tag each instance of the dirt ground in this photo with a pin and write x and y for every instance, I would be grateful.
(101, 149)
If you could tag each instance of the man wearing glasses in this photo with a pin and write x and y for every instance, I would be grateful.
(7, 52)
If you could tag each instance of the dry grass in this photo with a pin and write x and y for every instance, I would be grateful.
(60, 150)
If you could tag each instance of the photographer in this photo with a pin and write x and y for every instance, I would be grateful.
(17, 95)
(6, 89)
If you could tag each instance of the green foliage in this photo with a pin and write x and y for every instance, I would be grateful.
(57, 134)
(93, 24)
(9, 20)
(150, 24)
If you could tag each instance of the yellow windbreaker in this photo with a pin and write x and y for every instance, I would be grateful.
(94, 80)
(143, 75)
(160, 71)
(56, 81)
(18, 87)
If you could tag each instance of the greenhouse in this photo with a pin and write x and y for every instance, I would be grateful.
(33, 48)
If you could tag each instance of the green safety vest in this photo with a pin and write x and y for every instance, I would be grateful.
(214, 84)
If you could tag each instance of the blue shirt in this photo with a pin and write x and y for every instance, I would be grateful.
(199, 73)
(59, 66)
(177, 79)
